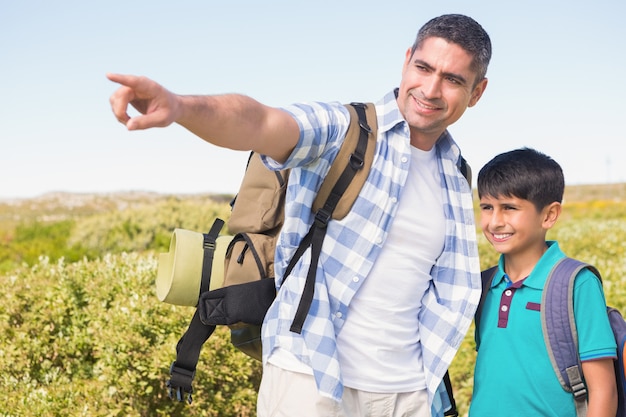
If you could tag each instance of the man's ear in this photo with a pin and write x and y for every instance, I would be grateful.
(477, 92)
(551, 214)
(407, 58)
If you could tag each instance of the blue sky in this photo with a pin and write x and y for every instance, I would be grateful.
(557, 82)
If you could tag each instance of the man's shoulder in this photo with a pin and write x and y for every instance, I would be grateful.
(317, 110)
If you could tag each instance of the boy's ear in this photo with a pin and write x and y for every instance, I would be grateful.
(551, 214)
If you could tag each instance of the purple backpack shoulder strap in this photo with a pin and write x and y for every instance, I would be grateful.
(559, 328)
(619, 331)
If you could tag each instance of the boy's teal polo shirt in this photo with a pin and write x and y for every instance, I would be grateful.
(513, 374)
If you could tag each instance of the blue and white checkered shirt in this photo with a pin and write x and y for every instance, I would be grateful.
(352, 245)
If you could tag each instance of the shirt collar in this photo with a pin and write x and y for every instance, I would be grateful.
(389, 117)
(538, 275)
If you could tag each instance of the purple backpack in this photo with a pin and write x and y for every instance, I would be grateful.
(560, 335)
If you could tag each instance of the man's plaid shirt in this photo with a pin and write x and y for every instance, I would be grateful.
(353, 243)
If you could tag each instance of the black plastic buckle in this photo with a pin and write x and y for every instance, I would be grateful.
(208, 242)
(180, 383)
(322, 218)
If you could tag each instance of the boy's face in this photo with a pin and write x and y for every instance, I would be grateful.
(514, 226)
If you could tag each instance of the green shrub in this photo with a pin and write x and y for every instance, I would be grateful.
(138, 227)
(145, 227)
(91, 339)
(32, 239)
(83, 334)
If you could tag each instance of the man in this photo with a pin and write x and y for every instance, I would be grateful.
(399, 279)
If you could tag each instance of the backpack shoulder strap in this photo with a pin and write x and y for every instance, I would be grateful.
(486, 277)
(559, 328)
(357, 150)
(619, 331)
(329, 201)
(466, 170)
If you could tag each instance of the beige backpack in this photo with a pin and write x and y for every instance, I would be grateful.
(240, 298)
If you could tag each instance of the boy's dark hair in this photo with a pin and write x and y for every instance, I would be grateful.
(523, 173)
(463, 31)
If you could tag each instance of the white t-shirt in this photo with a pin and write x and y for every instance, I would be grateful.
(379, 344)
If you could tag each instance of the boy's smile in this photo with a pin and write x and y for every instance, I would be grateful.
(501, 237)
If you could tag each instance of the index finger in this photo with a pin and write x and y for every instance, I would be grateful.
(127, 80)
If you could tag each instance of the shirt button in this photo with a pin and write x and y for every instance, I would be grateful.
(404, 159)
(338, 314)
(379, 240)
(394, 200)
(504, 308)
(508, 293)
(355, 279)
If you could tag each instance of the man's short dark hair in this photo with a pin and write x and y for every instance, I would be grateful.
(523, 173)
(463, 31)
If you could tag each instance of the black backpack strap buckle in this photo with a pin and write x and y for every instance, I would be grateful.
(322, 217)
(179, 384)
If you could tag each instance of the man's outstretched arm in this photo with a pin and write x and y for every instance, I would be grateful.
(231, 121)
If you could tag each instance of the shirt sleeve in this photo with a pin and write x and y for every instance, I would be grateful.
(595, 337)
(322, 129)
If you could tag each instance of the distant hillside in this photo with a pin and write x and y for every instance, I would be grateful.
(59, 205)
(602, 192)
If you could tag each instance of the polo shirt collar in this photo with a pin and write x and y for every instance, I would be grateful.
(537, 277)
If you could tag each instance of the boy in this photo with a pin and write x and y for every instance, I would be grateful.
(520, 200)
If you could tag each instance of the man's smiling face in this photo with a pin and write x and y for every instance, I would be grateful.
(437, 87)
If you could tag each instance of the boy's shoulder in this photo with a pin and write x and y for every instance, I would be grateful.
(545, 265)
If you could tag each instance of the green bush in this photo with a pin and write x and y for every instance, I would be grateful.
(83, 334)
(91, 339)
(145, 227)
(139, 227)
(32, 239)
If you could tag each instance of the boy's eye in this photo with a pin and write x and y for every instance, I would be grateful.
(486, 207)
